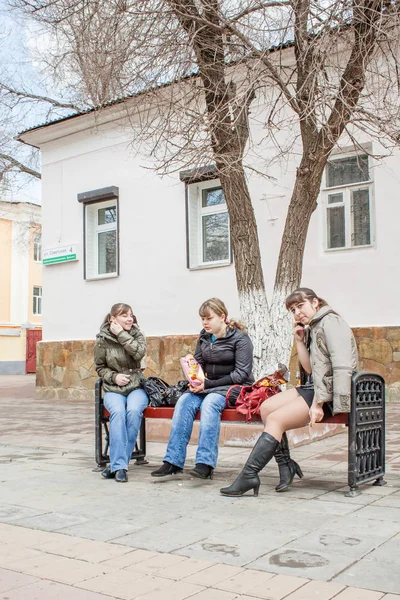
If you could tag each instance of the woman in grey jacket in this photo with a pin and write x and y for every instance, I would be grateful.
(225, 353)
(328, 355)
(120, 346)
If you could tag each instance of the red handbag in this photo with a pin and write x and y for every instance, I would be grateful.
(251, 397)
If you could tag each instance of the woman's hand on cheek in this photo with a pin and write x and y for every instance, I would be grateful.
(115, 328)
(298, 331)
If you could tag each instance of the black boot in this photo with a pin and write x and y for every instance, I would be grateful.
(202, 471)
(248, 479)
(288, 467)
(166, 468)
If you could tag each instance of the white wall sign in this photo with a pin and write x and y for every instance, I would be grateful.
(59, 255)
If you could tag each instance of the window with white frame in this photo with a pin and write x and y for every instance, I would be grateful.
(208, 220)
(347, 200)
(37, 300)
(37, 247)
(101, 239)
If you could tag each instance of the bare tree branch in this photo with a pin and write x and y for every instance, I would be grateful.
(12, 163)
(31, 96)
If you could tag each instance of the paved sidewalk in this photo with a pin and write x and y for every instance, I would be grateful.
(65, 533)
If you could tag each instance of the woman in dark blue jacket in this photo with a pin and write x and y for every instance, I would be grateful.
(225, 353)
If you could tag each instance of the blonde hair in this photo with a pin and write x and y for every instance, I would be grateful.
(302, 294)
(219, 308)
(118, 309)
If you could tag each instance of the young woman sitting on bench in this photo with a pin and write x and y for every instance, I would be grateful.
(120, 346)
(328, 355)
(225, 353)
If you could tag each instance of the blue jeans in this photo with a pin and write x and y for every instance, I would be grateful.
(125, 418)
(211, 407)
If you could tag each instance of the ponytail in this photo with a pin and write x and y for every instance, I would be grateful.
(234, 324)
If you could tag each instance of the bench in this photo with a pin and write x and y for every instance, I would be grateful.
(365, 422)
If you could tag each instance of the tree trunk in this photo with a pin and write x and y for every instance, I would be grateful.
(290, 263)
(247, 258)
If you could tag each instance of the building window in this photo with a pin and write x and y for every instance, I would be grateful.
(208, 225)
(347, 200)
(37, 247)
(101, 239)
(37, 300)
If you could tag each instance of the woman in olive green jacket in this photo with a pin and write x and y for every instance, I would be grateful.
(328, 355)
(120, 346)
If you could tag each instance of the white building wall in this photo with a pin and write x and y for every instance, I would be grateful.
(360, 283)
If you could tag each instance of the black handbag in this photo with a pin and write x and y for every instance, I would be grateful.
(162, 394)
(175, 391)
(156, 390)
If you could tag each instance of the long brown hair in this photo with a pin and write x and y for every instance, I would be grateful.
(217, 306)
(302, 294)
(118, 309)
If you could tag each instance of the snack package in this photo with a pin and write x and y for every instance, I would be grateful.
(192, 369)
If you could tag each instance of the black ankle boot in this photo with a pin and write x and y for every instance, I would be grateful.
(166, 468)
(288, 467)
(248, 479)
(202, 471)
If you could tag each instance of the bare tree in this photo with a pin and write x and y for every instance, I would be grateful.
(19, 107)
(87, 58)
(326, 68)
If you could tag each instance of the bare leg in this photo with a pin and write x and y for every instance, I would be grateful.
(290, 415)
(286, 410)
(275, 402)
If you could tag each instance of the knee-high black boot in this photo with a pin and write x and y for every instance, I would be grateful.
(288, 467)
(248, 479)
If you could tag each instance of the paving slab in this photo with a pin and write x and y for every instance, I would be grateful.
(100, 530)
(212, 594)
(352, 593)
(370, 574)
(276, 587)
(185, 569)
(245, 581)
(10, 580)
(50, 590)
(213, 575)
(9, 513)
(318, 590)
(50, 521)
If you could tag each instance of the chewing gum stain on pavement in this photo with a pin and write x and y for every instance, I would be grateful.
(298, 559)
(233, 550)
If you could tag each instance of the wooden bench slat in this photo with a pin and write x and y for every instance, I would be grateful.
(228, 414)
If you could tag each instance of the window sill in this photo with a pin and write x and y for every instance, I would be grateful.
(350, 249)
(347, 185)
(100, 277)
(211, 266)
